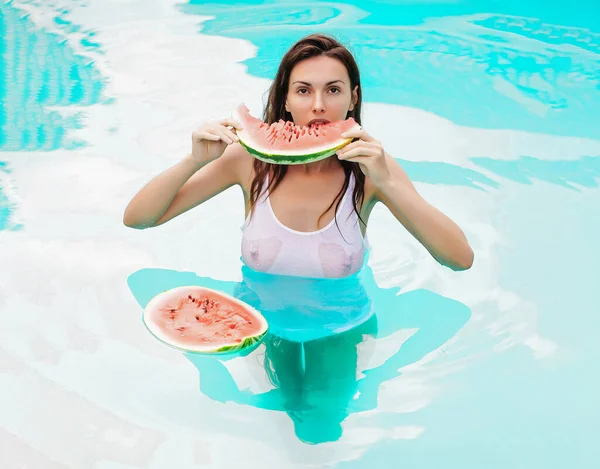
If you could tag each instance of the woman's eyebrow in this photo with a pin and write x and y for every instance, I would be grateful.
(326, 84)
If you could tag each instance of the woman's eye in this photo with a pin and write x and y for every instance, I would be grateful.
(305, 90)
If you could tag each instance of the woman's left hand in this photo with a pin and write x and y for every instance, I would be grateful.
(368, 152)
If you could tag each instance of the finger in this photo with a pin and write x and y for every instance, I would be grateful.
(360, 151)
(230, 134)
(363, 160)
(358, 133)
(232, 123)
(349, 146)
(356, 144)
(222, 132)
(206, 136)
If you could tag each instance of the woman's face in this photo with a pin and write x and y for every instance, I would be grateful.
(319, 90)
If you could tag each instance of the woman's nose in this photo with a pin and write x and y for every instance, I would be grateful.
(318, 104)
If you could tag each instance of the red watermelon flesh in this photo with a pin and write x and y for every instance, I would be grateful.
(284, 142)
(198, 319)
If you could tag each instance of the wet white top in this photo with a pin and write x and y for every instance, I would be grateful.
(332, 252)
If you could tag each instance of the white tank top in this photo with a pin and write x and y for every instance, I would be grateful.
(271, 247)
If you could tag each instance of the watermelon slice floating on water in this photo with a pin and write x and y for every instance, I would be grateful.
(284, 142)
(201, 320)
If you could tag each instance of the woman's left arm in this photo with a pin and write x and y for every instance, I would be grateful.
(443, 238)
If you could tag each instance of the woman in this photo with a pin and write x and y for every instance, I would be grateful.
(303, 220)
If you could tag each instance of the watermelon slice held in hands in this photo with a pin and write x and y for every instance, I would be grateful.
(201, 320)
(286, 143)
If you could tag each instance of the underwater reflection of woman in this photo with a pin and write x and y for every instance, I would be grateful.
(318, 388)
(318, 379)
(310, 353)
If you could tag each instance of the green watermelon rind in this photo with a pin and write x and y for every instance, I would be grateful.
(324, 149)
(292, 158)
(248, 342)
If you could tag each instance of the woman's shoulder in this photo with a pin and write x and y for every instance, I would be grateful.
(239, 161)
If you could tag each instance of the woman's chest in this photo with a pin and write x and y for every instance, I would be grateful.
(307, 205)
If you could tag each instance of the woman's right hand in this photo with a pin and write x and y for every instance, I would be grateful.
(210, 139)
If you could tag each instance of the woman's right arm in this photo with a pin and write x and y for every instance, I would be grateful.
(212, 167)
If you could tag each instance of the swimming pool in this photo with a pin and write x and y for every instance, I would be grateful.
(491, 108)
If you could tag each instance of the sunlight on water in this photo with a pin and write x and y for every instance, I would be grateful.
(492, 110)
(41, 78)
(525, 74)
(7, 201)
(308, 358)
(41, 71)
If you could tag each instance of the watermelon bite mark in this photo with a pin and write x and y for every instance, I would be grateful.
(286, 143)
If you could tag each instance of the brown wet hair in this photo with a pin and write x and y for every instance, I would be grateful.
(314, 45)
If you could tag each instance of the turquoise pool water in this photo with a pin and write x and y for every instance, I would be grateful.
(491, 107)
(398, 56)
